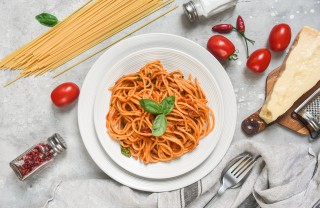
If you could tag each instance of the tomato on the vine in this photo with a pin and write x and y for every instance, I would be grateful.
(221, 47)
(65, 94)
(259, 60)
(280, 37)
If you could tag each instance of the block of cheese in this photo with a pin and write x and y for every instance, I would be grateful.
(301, 73)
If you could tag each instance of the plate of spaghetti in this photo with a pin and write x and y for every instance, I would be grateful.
(158, 113)
(96, 77)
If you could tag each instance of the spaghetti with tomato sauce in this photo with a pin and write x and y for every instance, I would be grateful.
(128, 123)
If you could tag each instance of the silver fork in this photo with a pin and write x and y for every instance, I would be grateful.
(235, 174)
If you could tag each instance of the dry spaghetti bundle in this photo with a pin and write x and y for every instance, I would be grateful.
(85, 28)
(189, 121)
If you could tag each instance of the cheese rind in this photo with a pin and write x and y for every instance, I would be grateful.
(301, 73)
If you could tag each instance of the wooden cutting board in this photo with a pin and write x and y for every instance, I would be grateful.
(254, 124)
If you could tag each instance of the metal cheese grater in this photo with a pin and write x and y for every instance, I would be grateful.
(308, 113)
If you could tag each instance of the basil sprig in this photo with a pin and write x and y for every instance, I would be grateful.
(150, 106)
(47, 19)
(125, 151)
(155, 108)
(159, 125)
(167, 105)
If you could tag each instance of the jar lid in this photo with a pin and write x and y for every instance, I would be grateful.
(57, 143)
(190, 11)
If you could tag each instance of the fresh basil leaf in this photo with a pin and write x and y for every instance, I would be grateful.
(47, 19)
(159, 125)
(150, 106)
(125, 151)
(167, 105)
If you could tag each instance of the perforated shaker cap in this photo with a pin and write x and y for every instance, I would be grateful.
(190, 11)
(57, 143)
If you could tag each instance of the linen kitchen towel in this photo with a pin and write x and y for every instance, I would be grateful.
(284, 176)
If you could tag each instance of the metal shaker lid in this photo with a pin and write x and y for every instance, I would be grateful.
(190, 11)
(57, 143)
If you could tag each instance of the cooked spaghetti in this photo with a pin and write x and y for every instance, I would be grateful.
(189, 121)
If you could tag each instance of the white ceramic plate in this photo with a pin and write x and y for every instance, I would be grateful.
(91, 85)
(171, 60)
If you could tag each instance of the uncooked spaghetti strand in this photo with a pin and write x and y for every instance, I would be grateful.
(21, 50)
(53, 29)
(111, 44)
(129, 21)
(81, 42)
(33, 57)
(16, 79)
(79, 26)
(46, 68)
(49, 45)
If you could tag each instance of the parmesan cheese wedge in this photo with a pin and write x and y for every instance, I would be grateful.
(301, 73)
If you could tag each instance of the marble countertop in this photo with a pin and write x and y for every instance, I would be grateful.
(28, 116)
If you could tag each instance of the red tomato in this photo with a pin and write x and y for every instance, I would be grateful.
(65, 94)
(280, 37)
(221, 47)
(259, 60)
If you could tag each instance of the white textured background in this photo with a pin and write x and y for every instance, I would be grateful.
(28, 116)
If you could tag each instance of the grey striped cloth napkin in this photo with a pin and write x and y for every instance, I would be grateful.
(284, 176)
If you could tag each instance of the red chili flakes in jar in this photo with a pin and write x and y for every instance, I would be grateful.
(38, 156)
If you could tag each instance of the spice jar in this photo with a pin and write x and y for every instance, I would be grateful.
(195, 9)
(38, 156)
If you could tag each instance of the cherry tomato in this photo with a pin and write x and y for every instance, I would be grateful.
(221, 47)
(259, 60)
(280, 37)
(65, 94)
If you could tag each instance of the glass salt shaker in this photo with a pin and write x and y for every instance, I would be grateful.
(38, 156)
(195, 9)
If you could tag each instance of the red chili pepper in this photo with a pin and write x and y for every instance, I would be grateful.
(223, 28)
(240, 25)
(241, 29)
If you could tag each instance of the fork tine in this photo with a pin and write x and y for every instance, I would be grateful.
(243, 166)
(235, 165)
(245, 172)
(239, 166)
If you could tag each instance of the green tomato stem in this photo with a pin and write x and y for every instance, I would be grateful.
(234, 56)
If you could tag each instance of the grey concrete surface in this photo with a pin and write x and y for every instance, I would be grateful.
(28, 116)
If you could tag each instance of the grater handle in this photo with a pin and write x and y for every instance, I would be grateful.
(253, 124)
(313, 134)
(306, 118)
